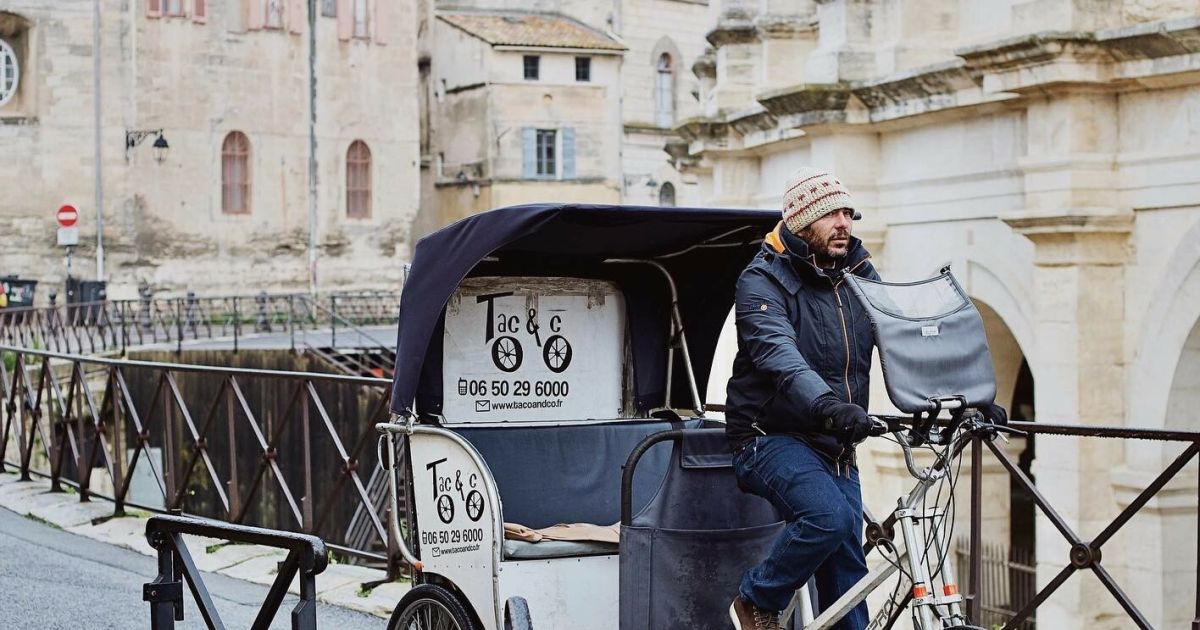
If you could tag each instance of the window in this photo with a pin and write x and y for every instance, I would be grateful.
(666, 195)
(583, 68)
(532, 63)
(545, 152)
(360, 18)
(10, 73)
(664, 93)
(273, 12)
(235, 174)
(358, 180)
(548, 153)
(172, 7)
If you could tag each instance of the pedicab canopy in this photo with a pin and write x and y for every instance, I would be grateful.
(504, 252)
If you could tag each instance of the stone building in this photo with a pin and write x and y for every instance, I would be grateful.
(524, 109)
(1050, 151)
(226, 82)
(640, 54)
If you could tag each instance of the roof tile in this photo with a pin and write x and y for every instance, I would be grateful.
(525, 29)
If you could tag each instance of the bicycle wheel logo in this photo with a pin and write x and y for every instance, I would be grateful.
(474, 505)
(557, 354)
(507, 354)
(445, 508)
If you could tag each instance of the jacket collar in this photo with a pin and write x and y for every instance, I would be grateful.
(791, 262)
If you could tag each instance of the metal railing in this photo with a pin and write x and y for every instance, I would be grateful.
(114, 325)
(283, 450)
(306, 558)
(222, 433)
(1084, 554)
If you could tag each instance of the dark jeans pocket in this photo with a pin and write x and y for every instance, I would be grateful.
(743, 465)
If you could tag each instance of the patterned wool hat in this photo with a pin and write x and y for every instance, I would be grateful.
(811, 194)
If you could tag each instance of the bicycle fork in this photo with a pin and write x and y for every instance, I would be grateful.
(928, 606)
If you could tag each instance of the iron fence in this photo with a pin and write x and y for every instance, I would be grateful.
(1008, 581)
(282, 450)
(289, 450)
(114, 325)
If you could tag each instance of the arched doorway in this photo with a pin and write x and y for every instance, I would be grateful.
(1010, 570)
(1178, 535)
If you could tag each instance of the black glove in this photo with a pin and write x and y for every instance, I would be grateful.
(994, 414)
(847, 422)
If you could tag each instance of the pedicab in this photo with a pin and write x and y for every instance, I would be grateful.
(551, 365)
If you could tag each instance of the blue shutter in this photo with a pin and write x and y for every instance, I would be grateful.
(568, 153)
(528, 152)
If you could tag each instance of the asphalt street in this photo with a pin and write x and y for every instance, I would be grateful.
(51, 578)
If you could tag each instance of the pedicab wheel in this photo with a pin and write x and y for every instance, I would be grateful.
(516, 614)
(430, 607)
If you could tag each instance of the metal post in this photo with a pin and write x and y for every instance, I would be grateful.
(292, 320)
(98, 110)
(168, 447)
(332, 321)
(306, 440)
(974, 605)
(235, 497)
(312, 146)
(178, 326)
(237, 324)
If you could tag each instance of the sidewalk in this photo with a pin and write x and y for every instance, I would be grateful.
(339, 585)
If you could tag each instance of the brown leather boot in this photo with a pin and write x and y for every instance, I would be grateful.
(747, 616)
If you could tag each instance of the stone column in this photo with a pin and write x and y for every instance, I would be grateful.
(735, 40)
(1078, 361)
(788, 32)
(1081, 239)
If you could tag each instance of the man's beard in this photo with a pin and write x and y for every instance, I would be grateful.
(826, 252)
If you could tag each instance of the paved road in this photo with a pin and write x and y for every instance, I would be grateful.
(53, 579)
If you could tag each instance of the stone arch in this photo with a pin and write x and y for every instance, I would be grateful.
(1172, 318)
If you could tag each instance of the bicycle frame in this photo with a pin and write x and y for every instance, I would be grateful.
(928, 606)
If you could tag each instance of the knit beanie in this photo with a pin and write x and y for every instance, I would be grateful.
(811, 194)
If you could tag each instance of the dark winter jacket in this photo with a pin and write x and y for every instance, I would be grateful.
(800, 335)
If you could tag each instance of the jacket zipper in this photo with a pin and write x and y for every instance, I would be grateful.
(846, 374)
(846, 331)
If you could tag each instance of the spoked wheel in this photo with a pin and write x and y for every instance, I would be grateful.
(430, 607)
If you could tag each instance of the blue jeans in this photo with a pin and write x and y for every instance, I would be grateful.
(823, 537)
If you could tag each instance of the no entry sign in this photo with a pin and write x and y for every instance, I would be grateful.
(67, 216)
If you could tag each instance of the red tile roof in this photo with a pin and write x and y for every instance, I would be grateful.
(527, 29)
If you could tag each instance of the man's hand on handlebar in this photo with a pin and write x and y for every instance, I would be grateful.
(848, 422)
(994, 414)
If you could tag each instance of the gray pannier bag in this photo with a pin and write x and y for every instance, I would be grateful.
(931, 342)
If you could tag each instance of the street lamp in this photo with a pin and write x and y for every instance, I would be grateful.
(135, 137)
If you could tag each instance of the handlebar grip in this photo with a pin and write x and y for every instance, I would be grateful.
(882, 425)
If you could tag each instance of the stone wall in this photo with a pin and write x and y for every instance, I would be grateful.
(1048, 151)
(198, 81)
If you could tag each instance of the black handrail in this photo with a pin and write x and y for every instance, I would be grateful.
(307, 555)
(631, 463)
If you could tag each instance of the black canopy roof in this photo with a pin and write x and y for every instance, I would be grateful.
(703, 249)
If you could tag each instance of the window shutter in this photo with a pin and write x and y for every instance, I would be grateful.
(345, 20)
(153, 8)
(568, 153)
(528, 152)
(200, 10)
(297, 16)
(254, 14)
(382, 21)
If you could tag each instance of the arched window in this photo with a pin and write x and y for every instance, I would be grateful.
(664, 92)
(358, 180)
(10, 73)
(235, 174)
(666, 195)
